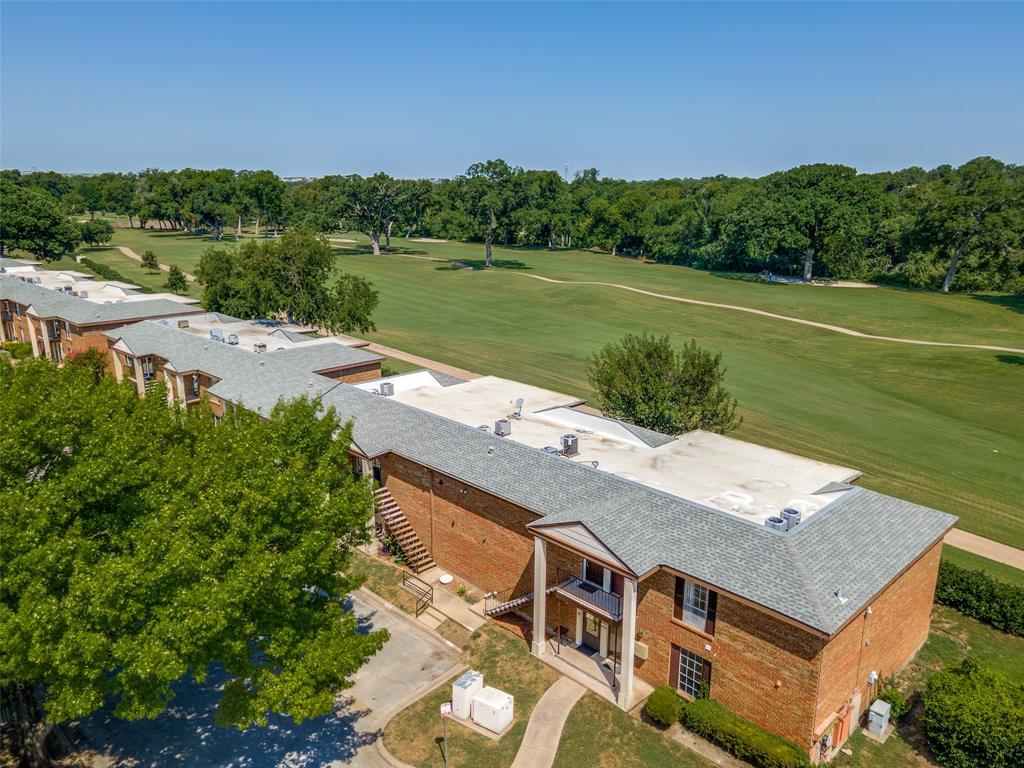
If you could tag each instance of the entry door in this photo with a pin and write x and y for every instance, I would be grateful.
(591, 631)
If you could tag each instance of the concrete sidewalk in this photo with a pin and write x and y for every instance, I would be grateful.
(544, 731)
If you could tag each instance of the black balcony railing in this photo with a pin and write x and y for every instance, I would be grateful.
(589, 595)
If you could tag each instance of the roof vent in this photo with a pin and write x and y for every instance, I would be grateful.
(83, 294)
(217, 334)
(775, 523)
(551, 450)
(259, 347)
(570, 445)
(503, 427)
(839, 596)
(183, 323)
(232, 338)
(791, 516)
(387, 388)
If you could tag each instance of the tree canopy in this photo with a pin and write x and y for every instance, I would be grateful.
(96, 231)
(144, 543)
(286, 277)
(644, 380)
(952, 228)
(176, 282)
(33, 221)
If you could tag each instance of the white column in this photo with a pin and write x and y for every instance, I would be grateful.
(45, 325)
(540, 585)
(32, 336)
(579, 627)
(169, 383)
(140, 382)
(118, 368)
(628, 642)
(182, 397)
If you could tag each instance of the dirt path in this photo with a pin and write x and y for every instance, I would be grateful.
(774, 316)
(165, 267)
(426, 362)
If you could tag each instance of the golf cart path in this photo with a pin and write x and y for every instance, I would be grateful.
(775, 316)
(979, 545)
(165, 267)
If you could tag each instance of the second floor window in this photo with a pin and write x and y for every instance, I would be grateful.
(695, 604)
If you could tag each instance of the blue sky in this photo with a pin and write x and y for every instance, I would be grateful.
(636, 90)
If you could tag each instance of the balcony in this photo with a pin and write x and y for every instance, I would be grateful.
(590, 596)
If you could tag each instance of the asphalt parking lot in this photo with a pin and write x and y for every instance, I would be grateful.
(410, 663)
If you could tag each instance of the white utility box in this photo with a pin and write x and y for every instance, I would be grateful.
(463, 691)
(878, 717)
(492, 709)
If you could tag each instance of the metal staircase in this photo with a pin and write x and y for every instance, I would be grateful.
(397, 525)
(498, 603)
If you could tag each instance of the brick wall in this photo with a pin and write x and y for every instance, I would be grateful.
(762, 667)
(883, 641)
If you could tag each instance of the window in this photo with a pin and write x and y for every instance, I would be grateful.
(593, 573)
(691, 673)
(695, 605)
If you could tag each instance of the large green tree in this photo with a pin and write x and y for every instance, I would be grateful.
(492, 194)
(644, 380)
(144, 543)
(975, 212)
(374, 204)
(32, 220)
(96, 231)
(290, 278)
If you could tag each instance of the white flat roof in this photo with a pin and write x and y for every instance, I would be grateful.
(249, 332)
(97, 291)
(748, 480)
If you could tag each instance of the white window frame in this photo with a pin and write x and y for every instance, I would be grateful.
(690, 675)
(695, 604)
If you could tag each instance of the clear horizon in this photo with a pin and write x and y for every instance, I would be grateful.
(639, 91)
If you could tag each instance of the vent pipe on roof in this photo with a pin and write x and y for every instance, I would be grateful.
(387, 388)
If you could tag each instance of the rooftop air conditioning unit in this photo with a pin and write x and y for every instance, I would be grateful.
(259, 347)
(503, 427)
(83, 294)
(570, 445)
(387, 388)
(183, 323)
(232, 338)
(791, 516)
(217, 334)
(775, 523)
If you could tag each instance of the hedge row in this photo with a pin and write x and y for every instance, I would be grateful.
(977, 594)
(740, 737)
(111, 274)
(974, 718)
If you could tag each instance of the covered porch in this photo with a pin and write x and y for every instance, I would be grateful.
(585, 625)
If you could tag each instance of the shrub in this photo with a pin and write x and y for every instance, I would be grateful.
(896, 700)
(977, 594)
(740, 737)
(111, 274)
(664, 706)
(19, 349)
(974, 717)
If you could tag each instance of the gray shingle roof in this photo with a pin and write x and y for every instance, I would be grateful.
(50, 303)
(856, 544)
(324, 355)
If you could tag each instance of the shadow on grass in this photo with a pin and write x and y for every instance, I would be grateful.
(477, 264)
(1011, 359)
(1014, 303)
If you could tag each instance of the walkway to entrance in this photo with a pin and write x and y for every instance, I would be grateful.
(544, 731)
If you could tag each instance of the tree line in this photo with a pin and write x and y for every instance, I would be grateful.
(946, 228)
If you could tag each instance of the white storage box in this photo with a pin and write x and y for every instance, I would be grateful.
(463, 691)
(492, 709)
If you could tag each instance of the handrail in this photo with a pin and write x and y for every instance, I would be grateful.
(423, 592)
(588, 593)
(493, 599)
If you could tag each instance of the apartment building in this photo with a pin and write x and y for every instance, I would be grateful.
(61, 313)
(764, 579)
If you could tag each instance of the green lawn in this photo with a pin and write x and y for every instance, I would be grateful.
(134, 272)
(970, 560)
(929, 424)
